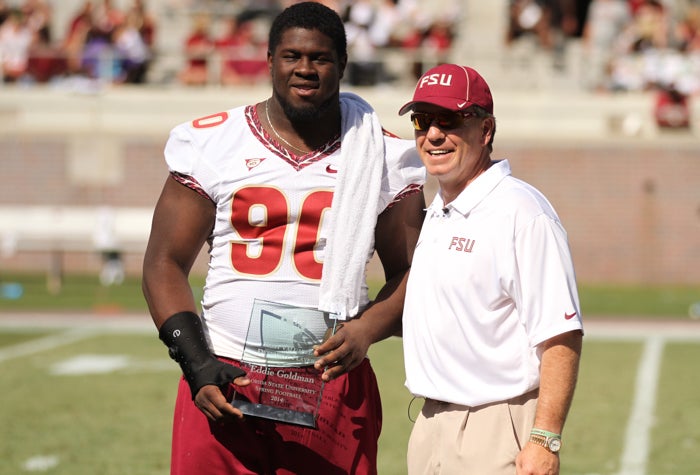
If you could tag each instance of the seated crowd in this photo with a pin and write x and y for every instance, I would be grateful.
(101, 41)
(627, 45)
(235, 47)
(118, 46)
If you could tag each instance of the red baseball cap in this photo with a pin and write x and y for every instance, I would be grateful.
(453, 87)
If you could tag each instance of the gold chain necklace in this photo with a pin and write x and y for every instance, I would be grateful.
(267, 116)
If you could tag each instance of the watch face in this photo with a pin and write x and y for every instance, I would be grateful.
(554, 445)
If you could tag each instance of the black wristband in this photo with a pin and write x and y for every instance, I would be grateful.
(184, 336)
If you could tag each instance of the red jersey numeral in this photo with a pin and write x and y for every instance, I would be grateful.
(210, 120)
(260, 215)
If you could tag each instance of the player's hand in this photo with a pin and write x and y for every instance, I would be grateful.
(343, 351)
(536, 460)
(184, 336)
(212, 371)
(213, 404)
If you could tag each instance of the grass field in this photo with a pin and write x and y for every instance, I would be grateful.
(83, 293)
(92, 401)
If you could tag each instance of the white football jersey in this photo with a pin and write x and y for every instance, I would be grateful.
(271, 222)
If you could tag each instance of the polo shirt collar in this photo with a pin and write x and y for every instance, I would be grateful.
(475, 192)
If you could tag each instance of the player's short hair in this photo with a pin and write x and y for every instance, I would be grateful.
(310, 16)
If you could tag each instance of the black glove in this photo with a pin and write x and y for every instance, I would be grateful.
(182, 333)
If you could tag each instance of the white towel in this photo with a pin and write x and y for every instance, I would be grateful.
(354, 207)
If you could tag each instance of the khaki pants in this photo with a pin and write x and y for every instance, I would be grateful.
(450, 439)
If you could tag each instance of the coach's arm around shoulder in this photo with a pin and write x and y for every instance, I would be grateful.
(182, 222)
(558, 374)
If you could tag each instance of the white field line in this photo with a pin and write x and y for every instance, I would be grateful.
(636, 450)
(72, 329)
(132, 323)
(654, 335)
(46, 343)
(640, 330)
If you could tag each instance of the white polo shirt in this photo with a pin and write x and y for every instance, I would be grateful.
(491, 279)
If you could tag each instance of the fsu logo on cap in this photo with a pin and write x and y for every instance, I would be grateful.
(436, 80)
(452, 87)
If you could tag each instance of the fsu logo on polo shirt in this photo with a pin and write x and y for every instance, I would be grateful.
(461, 244)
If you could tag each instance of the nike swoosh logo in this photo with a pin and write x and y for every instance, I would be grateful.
(331, 170)
(569, 316)
(461, 105)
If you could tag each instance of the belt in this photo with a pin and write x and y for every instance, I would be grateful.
(517, 399)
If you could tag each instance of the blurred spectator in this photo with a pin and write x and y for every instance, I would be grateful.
(425, 31)
(131, 50)
(46, 60)
(364, 66)
(649, 28)
(410, 36)
(386, 22)
(430, 35)
(406, 21)
(671, 110)
(106, 19)
(437, 40)
(147, 28)
(81, 19)
(4, 11)
(198, 46)
(635, 4)
(687, 31)
(528, 17)
(38, 14)
(606, 21)
(563, 25)
(99, 58)
(76, 36)
(107, 244)
(551, 22)
(242, 52)
(15, 41)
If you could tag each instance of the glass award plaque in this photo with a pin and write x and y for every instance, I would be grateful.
(278, 359)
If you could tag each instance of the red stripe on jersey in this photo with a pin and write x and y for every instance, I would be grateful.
(409, 190)
(190, 183)
(389, 134)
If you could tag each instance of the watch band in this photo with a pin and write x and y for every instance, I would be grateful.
(539, 440)
(548, 440)
(545, 433)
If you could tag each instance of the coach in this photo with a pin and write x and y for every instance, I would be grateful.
(492, 327)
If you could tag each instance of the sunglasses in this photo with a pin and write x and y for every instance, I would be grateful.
(445, 120)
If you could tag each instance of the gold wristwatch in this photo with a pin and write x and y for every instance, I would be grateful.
(546, 439)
